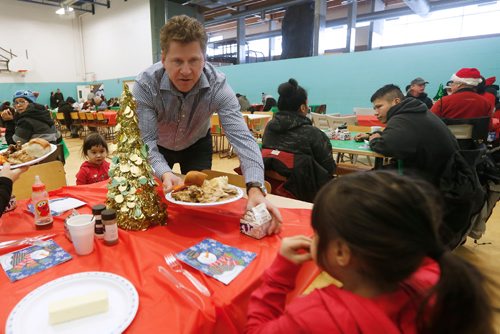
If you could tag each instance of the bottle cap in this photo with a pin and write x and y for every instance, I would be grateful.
(38, 185)
(108, 214)
(98, 208)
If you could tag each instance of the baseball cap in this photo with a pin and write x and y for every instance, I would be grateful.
(418, 81)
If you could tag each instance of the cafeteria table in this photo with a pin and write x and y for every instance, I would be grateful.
(356, 148)
(138, 254)
(368, 120)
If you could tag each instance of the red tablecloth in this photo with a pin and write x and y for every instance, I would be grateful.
(138, 254)
(369, 120)
(110, 116)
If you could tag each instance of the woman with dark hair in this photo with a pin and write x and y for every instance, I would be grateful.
(291, 131)
(377, 232)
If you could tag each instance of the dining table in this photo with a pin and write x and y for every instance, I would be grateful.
(111, 116)
(356, 148)
(368, 120)
(162, 307)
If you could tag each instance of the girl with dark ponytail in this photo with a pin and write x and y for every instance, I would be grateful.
(377, 233)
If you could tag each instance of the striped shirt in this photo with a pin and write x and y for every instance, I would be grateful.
(169, 119)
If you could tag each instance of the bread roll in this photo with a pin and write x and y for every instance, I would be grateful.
(195, 178)
(37, 147)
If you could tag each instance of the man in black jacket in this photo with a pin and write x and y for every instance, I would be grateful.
(416, 90)
(422, 145)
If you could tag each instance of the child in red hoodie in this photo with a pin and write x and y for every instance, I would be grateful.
(377, 233)
(95, 169)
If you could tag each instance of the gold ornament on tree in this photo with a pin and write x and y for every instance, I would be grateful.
(132, 187)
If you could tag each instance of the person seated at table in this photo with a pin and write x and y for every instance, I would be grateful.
(7, 114)
(32, 120)
(291, 131)
(270, 102)
(66, 107)
(7, 178)
(420, 143)
(113, 102)
(376, 232)
(243, 101)
(100, 104)
(95, 169)
(88, 105)
(464, 102)
(416, 89)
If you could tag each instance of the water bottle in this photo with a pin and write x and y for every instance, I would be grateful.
(41, 208)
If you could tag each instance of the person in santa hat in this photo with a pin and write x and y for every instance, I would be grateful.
(464, 102)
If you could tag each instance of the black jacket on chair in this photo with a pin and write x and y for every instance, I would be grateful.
(304, 176)
(292, 132)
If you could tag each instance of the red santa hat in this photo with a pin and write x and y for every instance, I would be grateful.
(468, 76)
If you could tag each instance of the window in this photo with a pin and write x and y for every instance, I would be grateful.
(444, 24)
(334, 38)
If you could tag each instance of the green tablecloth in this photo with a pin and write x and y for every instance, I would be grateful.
(350, 145)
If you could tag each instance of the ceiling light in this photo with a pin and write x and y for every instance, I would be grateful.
(64, 10)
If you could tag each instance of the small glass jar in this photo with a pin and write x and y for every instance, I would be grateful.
(98, 227)
(110, 227)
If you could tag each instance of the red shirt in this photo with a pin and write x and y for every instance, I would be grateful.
(333, 310)
(90, 173)
(462, 104)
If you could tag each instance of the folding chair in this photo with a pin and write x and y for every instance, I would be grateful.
(51, 173)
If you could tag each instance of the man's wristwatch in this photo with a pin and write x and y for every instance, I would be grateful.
(256, 185)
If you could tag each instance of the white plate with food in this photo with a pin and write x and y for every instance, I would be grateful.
(30, 153)
(198, 191)
(238, 193)
(31, 314)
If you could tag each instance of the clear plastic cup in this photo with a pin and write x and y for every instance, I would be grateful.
(81, 230)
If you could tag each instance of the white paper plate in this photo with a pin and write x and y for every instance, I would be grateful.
(229, 200)
(31, 314)
(34, 161)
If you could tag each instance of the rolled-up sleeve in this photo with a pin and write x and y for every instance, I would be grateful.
(239, 135)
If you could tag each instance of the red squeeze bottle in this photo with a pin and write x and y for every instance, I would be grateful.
(41, 208)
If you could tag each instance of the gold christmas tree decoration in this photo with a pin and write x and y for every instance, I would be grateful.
(132, 187)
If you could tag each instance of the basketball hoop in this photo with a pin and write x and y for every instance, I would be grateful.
(22, 72)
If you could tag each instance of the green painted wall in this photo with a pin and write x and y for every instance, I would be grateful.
(341, 81)
(345, 81)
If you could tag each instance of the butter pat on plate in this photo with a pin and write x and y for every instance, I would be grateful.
(72, 308)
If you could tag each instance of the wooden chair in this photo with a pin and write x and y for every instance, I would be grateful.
(51, 173)
(83, 122)
(61, 124)
(218, 137)
(102, 123)
(234, 179)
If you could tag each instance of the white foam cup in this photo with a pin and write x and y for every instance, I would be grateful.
(81, 229)
(375, 128)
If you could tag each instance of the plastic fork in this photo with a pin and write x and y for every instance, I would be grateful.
(177, 267)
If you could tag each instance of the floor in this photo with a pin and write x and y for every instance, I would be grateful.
(485, 254)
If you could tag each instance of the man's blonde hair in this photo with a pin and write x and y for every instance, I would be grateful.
(183, 29)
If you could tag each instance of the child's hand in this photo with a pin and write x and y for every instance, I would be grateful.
(296, 249)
